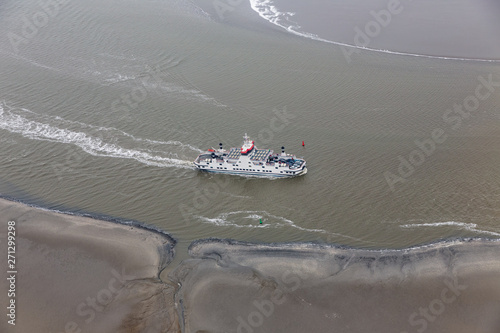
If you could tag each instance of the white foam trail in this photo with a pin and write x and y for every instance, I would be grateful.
(237, 219)
(116, 78)
(113, 129)
(467, 226)
(224, 220)
(171, 143)
(33, 62)
(269, 12)
(109, 77)
(36, 130)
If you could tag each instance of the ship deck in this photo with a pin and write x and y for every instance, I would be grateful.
(257, 155)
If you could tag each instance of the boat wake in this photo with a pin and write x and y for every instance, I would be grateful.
(95, 140)
(464, 226)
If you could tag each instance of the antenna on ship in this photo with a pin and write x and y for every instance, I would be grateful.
(283, 150)
(220, 146)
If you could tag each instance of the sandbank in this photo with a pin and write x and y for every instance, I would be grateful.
(449, 286)
(78, 274)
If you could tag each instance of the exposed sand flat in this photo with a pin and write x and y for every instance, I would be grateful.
(238, 287)
(77, 274)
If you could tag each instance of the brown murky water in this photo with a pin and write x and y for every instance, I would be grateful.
(104, 105)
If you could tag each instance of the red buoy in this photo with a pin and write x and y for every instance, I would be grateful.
(303, 144)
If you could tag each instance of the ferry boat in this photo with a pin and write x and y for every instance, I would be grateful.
(248, 160)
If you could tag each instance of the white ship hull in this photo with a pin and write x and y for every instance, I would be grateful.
(250, 161)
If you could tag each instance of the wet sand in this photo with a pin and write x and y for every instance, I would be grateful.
(239, 287)
(77, 274)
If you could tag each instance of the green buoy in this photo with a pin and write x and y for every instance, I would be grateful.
(260, 221)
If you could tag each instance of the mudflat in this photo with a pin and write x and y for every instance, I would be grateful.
(77, 274)
(239, 287)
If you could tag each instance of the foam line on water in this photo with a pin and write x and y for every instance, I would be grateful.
(159, 78)
(270, 13)
(32, 62)
(119, 132)
(250, 219)
(224, 220)
(461, 225)
(45, 131)
(170, 142)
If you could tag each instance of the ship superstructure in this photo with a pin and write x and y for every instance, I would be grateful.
(249, 160)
